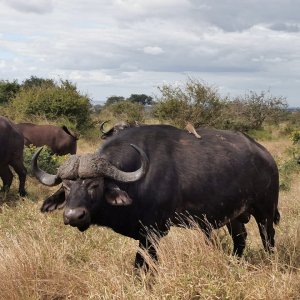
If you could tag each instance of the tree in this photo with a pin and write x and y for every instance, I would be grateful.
(113, 99)
(194, 101)
(141, 99)
(8, 90)
(34, 81)
(260, 107)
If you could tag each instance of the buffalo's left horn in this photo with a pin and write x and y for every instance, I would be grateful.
(42, 176)
(111, 171)
(102, 125)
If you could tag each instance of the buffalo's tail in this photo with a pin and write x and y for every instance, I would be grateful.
(276, 217)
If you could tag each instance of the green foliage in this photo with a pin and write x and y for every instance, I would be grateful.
(47, 161)
(140, 99)
(295, 136)
(34, 81)
(261, 134)
(203, 106)
(135, 98)
(53, 102)
(287, 169)
(195, 102)
(256, 108)
(129, 111)
(8, 90)
(113, 99)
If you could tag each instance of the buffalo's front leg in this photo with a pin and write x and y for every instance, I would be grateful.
(146, 244)
(238, 232)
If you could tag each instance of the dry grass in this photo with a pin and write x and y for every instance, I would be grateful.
(40, 258)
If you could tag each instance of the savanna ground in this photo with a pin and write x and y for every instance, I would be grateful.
(41, 258)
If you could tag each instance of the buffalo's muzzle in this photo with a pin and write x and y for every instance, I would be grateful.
(77, 217)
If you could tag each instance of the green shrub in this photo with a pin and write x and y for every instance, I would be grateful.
(61, 100)
(295, 136)
(294, 118)
(287, 169)
(47, 161)
(8, 90)
(195, 102)
(261, 134)
(202, 105)
(126, 110)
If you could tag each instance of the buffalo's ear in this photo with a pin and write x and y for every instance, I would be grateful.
(115, 196)
(55, 201)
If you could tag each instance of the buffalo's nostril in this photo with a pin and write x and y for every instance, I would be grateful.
(75, 216)
(81, 215)
(66, 220)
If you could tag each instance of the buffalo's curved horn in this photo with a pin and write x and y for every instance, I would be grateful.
(111, 171)
(42, 176)
(102, 125)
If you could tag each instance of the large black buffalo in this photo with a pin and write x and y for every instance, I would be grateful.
(218, 180)
(60, 140)
(11, 154)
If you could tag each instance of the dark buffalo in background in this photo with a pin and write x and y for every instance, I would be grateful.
(116, 128)
(11, 154)
(60, 140)
(220, 179)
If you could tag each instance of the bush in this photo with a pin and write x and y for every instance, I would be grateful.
(8, 90)
(202, 105)
(295, 136)
(34, 81)
(48, 161)
(53, 102)
(287, 169)
(195, 102)
(253, 109)
(126, 110)
(294, 118)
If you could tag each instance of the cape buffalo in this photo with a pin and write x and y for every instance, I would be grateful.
(220, 179)
(116, 128)
(61, 140)
(11, 154)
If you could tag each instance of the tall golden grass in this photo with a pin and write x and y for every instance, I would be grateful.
(41, 258)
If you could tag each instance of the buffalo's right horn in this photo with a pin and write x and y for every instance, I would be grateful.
(42, 176)
(111, 171)
(102, 125)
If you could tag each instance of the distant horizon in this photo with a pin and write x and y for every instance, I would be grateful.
(103, 102)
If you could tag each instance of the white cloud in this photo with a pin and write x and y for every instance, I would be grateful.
(128, 46)
(32, 6)
(153, 50)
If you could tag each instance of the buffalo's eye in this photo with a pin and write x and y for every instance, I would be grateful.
(93, 189)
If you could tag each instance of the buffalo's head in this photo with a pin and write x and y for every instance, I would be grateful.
(84, 187)
(115, 129)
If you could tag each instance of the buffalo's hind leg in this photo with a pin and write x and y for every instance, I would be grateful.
(238, 232)
(266, 230)
(22, 172)
(6, 176)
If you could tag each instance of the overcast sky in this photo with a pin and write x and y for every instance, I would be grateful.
(123, 47)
